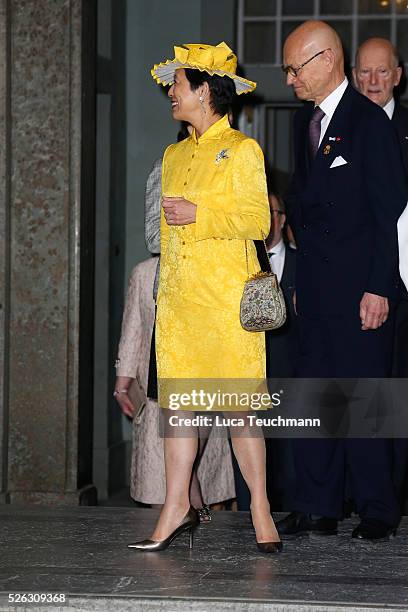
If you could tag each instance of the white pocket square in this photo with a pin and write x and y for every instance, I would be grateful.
(339, 161)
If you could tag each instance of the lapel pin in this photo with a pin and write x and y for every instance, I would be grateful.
(332, 138)
(326, 150)
(338, 138)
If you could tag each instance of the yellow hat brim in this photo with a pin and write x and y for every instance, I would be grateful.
(164, 75)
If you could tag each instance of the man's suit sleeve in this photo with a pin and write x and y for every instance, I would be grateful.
(387, 195)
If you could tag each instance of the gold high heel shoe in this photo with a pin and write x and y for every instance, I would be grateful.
(189, 523)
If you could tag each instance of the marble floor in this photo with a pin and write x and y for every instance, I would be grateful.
(81, 552)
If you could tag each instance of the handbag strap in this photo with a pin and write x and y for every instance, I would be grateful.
(266, 251)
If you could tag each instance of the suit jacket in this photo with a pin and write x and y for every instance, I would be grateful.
(400, 122)
(281, 344)
(345, 218)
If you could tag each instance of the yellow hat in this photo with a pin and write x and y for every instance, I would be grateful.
(219, 60)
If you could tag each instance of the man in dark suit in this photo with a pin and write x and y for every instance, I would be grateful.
(376, 74)
(281, 354)
(281, 347)
(347, 193)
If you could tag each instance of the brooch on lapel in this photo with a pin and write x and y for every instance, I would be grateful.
(335, 138)
(221, 155)
(326, 150)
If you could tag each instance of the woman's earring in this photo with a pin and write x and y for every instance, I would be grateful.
(201, 99)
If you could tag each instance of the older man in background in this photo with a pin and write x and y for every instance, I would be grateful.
(376, 74)
(348, 191)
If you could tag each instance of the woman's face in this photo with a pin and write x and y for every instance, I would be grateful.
(184, 102)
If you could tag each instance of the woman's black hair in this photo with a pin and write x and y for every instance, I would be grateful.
(222, 89)
(183, 132)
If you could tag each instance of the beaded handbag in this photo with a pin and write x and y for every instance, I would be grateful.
(262, 303)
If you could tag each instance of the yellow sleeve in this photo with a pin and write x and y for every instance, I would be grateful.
(164, 228)
(251, 218)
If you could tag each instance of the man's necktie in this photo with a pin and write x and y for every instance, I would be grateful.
(314, 130)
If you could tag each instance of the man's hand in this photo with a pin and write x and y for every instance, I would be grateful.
(373, 311)
(179, 211)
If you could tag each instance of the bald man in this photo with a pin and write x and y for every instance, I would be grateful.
(348, 191)
(376, 74)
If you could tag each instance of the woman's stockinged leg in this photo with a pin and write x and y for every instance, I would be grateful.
(180, 452)
(196, 497)
(249, 448)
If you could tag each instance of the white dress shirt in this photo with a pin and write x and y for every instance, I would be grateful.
(389, 108)
(403, 246)
(278, 258)
(329, 105)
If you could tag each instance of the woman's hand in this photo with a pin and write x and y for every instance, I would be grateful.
(125, 404)
(121, 386)
(179, 211)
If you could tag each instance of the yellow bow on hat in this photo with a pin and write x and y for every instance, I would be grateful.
(207, 57)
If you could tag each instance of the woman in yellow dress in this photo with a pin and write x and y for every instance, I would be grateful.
(214, 205)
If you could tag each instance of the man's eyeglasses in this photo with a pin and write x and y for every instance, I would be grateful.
(294, 71)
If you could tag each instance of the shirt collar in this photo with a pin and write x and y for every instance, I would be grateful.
(278, 248)
(389, 108)
(330, 103)
(215, 131)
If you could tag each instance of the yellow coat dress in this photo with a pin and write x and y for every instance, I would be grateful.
(203, 265)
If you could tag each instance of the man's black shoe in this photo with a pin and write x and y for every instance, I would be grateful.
(297, 523)
(372, 529)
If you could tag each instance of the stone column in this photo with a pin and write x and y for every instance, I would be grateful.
(46, 223)
(4, 250)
